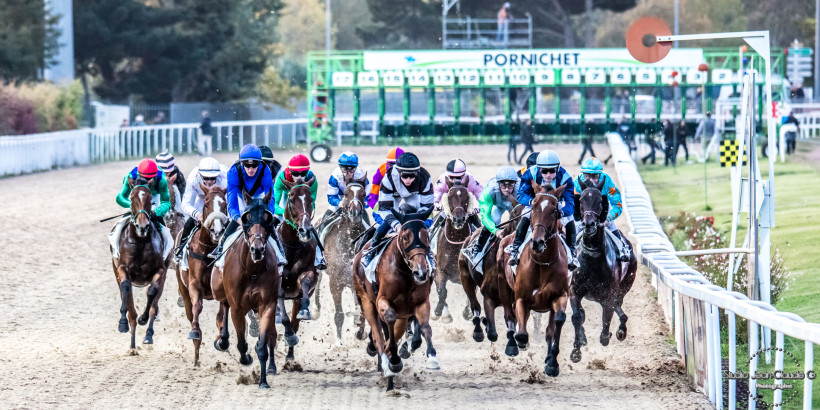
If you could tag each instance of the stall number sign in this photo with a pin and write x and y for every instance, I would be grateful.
(342, 79)
(444, 78)
(469, 78)
(519, 77)
(570, 76)
(645, 76)
(595, 76)
(620, 76)
(693, 76)
(418, 79)
(722, 76)
(544, 77)
(393, 79)
(494, 77)
(368, 79)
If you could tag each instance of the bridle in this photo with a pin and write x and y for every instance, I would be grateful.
(355, 199)
(290, 211)
(550, 234)
(416, 247)
(134, 215)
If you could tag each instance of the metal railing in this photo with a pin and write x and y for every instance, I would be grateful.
(23, 154)
(677, 282)
(469, 33)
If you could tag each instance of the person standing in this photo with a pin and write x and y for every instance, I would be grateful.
(205, 135)
(526, 139)
(668, 143)
(586, 139)
(683, 133)
(650, 140)
(705, 130)
(791, 136)
(504, 17)
(512, 146)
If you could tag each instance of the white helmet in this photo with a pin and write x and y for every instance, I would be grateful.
(209, 167)
(547, 159)
(506, 173)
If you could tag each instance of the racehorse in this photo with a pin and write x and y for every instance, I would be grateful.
(249, 279)
(300, 277)
(175, 218)
(340, 249)
(140, 263)
(603, 279)
(492, 284)
(401, 290)
(458, 204)
(195, 282)
(540, 283)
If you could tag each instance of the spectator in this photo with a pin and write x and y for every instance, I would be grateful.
(205, 135)
(124, 123)
(526, 139)
(139, 120)
(653, 144)
(706, 127)
(668, 142)
(159, 119)
(504, 17)
(586, 139)
(791, 136)
(680, 140)
(512, 146)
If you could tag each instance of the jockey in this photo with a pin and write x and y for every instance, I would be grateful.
(348, 169)
(267, 158)
(497, 198)
(456, 171)
(406, 185)
(298, 171)
(147, 173)
(592, 173)
(165, 161)
(249, 175)
(546, 172)
(373, 197)
(530, 162)
(209, 173)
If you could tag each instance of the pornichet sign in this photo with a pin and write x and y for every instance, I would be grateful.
(523, 59)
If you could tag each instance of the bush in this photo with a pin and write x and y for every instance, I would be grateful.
(39, 107)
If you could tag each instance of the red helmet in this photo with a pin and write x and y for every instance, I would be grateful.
(299, 162)
(147, 168)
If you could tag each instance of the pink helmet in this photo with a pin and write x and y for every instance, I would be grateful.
(456, 168)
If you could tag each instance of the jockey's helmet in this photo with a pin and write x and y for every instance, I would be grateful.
(456, 168)
(506, 173)
(531, 159)
(209, 167)
(348, 159)
(165, 161)
(394, 154)
(267, 153)
(408, 162)
(547, 159)
(147, 168)
(592, 166)
(298, 163)
(250, 152)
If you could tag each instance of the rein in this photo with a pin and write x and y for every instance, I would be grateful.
(289, 204)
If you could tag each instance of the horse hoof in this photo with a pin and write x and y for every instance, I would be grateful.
(621, 334)
(395, 368)
(478, 336)
(142, 320)
(575, 356)
(435, 316)
(387, 372)
(511, 350)
(304, 314)
(245, 359)
(272, 371)
(605, 339)
(447, 319)
(264, 385)
(253, 329)
(149, 340)
(492, 336)
(360, 334)
(523, 340)
(218, 346)
(291, 340)
(195, 335)
(123, 327)
(371, 349)
(414, 345)
(582, 340)
(467, 314)
(432, 363)
(551, 371)
(404, 353)
(180, 302)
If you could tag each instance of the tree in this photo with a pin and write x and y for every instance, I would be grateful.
(28, 39)
(407, 24)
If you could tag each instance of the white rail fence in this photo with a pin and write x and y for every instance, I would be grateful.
(693, 305)
(21, 154)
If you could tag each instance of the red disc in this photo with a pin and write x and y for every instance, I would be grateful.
(641, 39)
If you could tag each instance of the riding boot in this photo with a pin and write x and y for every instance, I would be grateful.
(475, 221)
(369, 254)
(319, 262)
(481, 242)
(572, 261)
(620, 244)
(520, 235)
(186, 232)
(280, 257)
(229, 230)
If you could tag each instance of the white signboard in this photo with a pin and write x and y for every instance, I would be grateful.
(645, 76)
(620, 76)
(418, 78)
(513, 59)
(519, 77)
(544, 77)
(668, 78)
(368, 79)
(393, 78)
(469, 77)
(693, 76)
(494, 77)
(595, 76)
(342, 79)
(570, 76)
(722, 76)
(444, 78)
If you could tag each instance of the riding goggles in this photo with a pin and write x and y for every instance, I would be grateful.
(408, 175)
(348, 168)
(552, 170)
(506, 184)
(250, 164)
(209, 179)
(299, 173)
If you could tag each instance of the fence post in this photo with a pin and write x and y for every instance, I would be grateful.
(253, 134)
(267, 135)
(241, 136)
(190, 148)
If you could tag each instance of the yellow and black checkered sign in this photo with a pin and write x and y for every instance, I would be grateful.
(728, 153)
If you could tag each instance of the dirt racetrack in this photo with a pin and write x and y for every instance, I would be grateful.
(60, 346)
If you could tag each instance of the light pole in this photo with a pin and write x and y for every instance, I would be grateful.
(327, 26)
(816, 54)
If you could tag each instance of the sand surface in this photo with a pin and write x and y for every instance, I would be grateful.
(60, 346)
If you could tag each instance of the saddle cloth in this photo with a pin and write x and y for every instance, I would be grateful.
(331, 224)
(370, 270)
(162, 240)
(477, 262)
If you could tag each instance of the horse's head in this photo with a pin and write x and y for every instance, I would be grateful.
(459, 205)
(141, 209)
(215, 219)
(354, 199)
(546, 217)
(594, 208)
(413, 242)
(257, 224)
(299, 209)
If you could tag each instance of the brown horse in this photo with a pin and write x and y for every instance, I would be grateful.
(140, 263)
(175, 218)
(340, 249)
(249, 279)
(195, 282)
(541, 281)
(493, 286)
(458, 204)
(600, 279)
(401, 290)
(300, 276)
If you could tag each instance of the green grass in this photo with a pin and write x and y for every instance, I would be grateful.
(796, 233)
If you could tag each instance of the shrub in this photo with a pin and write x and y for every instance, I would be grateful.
(40, 107)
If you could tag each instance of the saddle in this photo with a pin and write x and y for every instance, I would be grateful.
(160, 238)
(477, 262)
(370, 270)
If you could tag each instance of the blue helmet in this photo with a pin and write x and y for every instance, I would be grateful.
(348, 159)
(592, 166)
(250, 152)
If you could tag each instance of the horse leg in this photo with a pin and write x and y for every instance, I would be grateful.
(296, 306)
(423, 317)
(376, 336)
(153, 291)
(446, 317)
(416, 342)
(522, 314)
(489, 321)
(222, 343)
(621, 333)
(359, 320)
(125, 291)
(152, 307)
(290, 336)
(388, 314)
(184, 298)
(253, 326)
(339, 316)
(473, 306)
(405, 327)
(441, 290)
(132, 317)
(241, 345)
(304, 312)
(317, 298)
(557, 318)
(266, 344)
(509, 319)
(607, 319)
(578, 319)
(196, 310)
